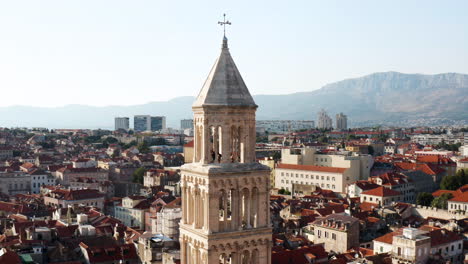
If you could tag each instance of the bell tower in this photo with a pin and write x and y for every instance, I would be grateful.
(225, 192)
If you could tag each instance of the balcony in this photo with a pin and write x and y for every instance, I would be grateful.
(404, 257)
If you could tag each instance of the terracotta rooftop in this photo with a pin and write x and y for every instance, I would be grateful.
(381, 192)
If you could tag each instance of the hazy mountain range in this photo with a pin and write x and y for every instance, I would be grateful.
(389, 98)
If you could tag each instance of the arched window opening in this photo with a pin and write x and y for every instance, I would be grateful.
(222, 205)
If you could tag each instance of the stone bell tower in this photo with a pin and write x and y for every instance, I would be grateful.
(225, 193)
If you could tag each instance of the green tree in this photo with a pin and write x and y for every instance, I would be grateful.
(461, 173)
(450, 183)
(277, 156)
(441, 201)
(281, 191)
(323, 139)
(454, 182)
(110, 140)
(424, 199)
(143, 147)
(138, 175)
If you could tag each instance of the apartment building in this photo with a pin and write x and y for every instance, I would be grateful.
(328, 171)
(16, 182)
(62, 198)
(122, 123)
(132, 211)
(338, 232)
(411, 245)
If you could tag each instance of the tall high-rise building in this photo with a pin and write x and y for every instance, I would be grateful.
(186, 123)
(141, 123)
(148, 123)
(122, 123)
(341, 122)
(158, 123)
(324, 121)
(226, 216)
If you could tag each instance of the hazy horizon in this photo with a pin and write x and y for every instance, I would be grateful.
(58, 53)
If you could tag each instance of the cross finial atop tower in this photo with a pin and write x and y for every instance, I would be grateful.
(224, 23)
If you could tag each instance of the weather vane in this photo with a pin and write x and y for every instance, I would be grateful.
(224, 23)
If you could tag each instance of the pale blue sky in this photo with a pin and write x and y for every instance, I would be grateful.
(54, 53)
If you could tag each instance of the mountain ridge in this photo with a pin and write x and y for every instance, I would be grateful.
(388, 98)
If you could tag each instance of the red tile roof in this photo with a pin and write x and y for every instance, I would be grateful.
(108, 254)
(441, 236)
(463, 198)
(440, 192)
(366, 185)
(311, 168)
(302, 255)
(366, 206)
(381, 192)
(388, 238)
(76, 194)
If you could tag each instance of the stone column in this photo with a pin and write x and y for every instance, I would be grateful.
(215, 142)
(183, 249)
(213, 213)
(252, 141)
(206, 143)
(234, 209)
(225, 213)
(248, 202)
(206, 204)
(184, 204)
(196, 212)
(235, 258)
(226, 143)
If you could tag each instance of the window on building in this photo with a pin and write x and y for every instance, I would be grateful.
(333, 179)
(333, 236)
(323, 178)
(333, 187)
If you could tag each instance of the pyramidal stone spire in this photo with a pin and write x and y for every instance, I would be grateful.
(224, 85)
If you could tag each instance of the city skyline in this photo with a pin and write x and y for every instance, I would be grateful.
(132, 54)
